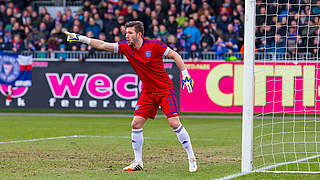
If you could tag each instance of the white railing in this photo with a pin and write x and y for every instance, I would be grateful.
(64, 3)
(205, 56)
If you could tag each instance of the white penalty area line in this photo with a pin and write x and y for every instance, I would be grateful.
(65, 137)
(89, 136)
(274, 166)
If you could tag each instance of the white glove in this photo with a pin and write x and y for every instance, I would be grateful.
(187, 81)
(73, 37)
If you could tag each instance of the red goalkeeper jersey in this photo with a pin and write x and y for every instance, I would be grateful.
(148, 63)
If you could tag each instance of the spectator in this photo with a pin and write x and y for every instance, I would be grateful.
(146, 18)
(93, 27)
(35, 18)
(156, 32)
(203, 22)
(238, 28)
(185, 6)
(193, 36)
(10, 25)
(43, 12)
(17, 44)
(163, 33)
(86, 5)
(110, 8)
(227, 5)
(120, 21)
(208, 38)
(278, 45)
(173, 10)
(49, 22)
(122, 32)
(3, 45)
(194, 52)
(42, 44)
(220, 48)
(98, 20)
(135, 15)
(42, 54)
(62, 56)
(69, 15)
(24, 16)
(16, 29)
(172, 25)
(301, 44)
(172, 42)
(65, 23)
(263, 46)
(135, 5)
(232, 46)
(240, 10)
(205, 6)
(230, 34)
(292, 39)
(7, 36)
(7, 16)
(115, 32)
(30, 47)
(86, 17)
(205, 47)
(142, 7)
(182, 18)
(261, 17)
(149, 4)
(193, 9)
(316, 8)
(58, 17)
(223, 22)
(181, 39)
(34, 37)
(43, 29)
(56, 38)
(128, 16)
(124, 10)
(16, 13)
(78, 24)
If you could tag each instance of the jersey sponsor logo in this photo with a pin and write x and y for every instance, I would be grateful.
(148, 54)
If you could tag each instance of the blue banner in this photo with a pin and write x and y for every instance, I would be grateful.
(15, 70)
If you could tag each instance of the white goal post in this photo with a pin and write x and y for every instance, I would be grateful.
(281, 80)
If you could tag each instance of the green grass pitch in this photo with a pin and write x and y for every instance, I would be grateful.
(106, 148)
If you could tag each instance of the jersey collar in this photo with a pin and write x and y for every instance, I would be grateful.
(142, 42)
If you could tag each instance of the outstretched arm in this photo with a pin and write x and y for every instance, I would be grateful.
(177, 58)
(98, 44)
(186, 79)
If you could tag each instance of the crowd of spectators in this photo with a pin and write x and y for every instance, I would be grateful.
(192, 26)
(185, 25)
(289, 27)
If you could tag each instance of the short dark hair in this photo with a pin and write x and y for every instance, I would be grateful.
(138, 26)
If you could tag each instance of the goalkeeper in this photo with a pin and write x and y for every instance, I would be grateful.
(146, 58)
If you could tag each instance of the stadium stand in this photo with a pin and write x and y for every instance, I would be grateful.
(196, 29)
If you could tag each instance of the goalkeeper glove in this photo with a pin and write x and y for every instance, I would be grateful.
(73, 37)
(187, 81)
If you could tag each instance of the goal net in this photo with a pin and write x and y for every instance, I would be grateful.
(286, 80)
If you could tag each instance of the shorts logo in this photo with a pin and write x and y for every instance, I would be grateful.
(148, 54)
(9, 69)
(137, 107)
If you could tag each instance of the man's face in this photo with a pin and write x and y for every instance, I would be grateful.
(191, 23)
(131, 36)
